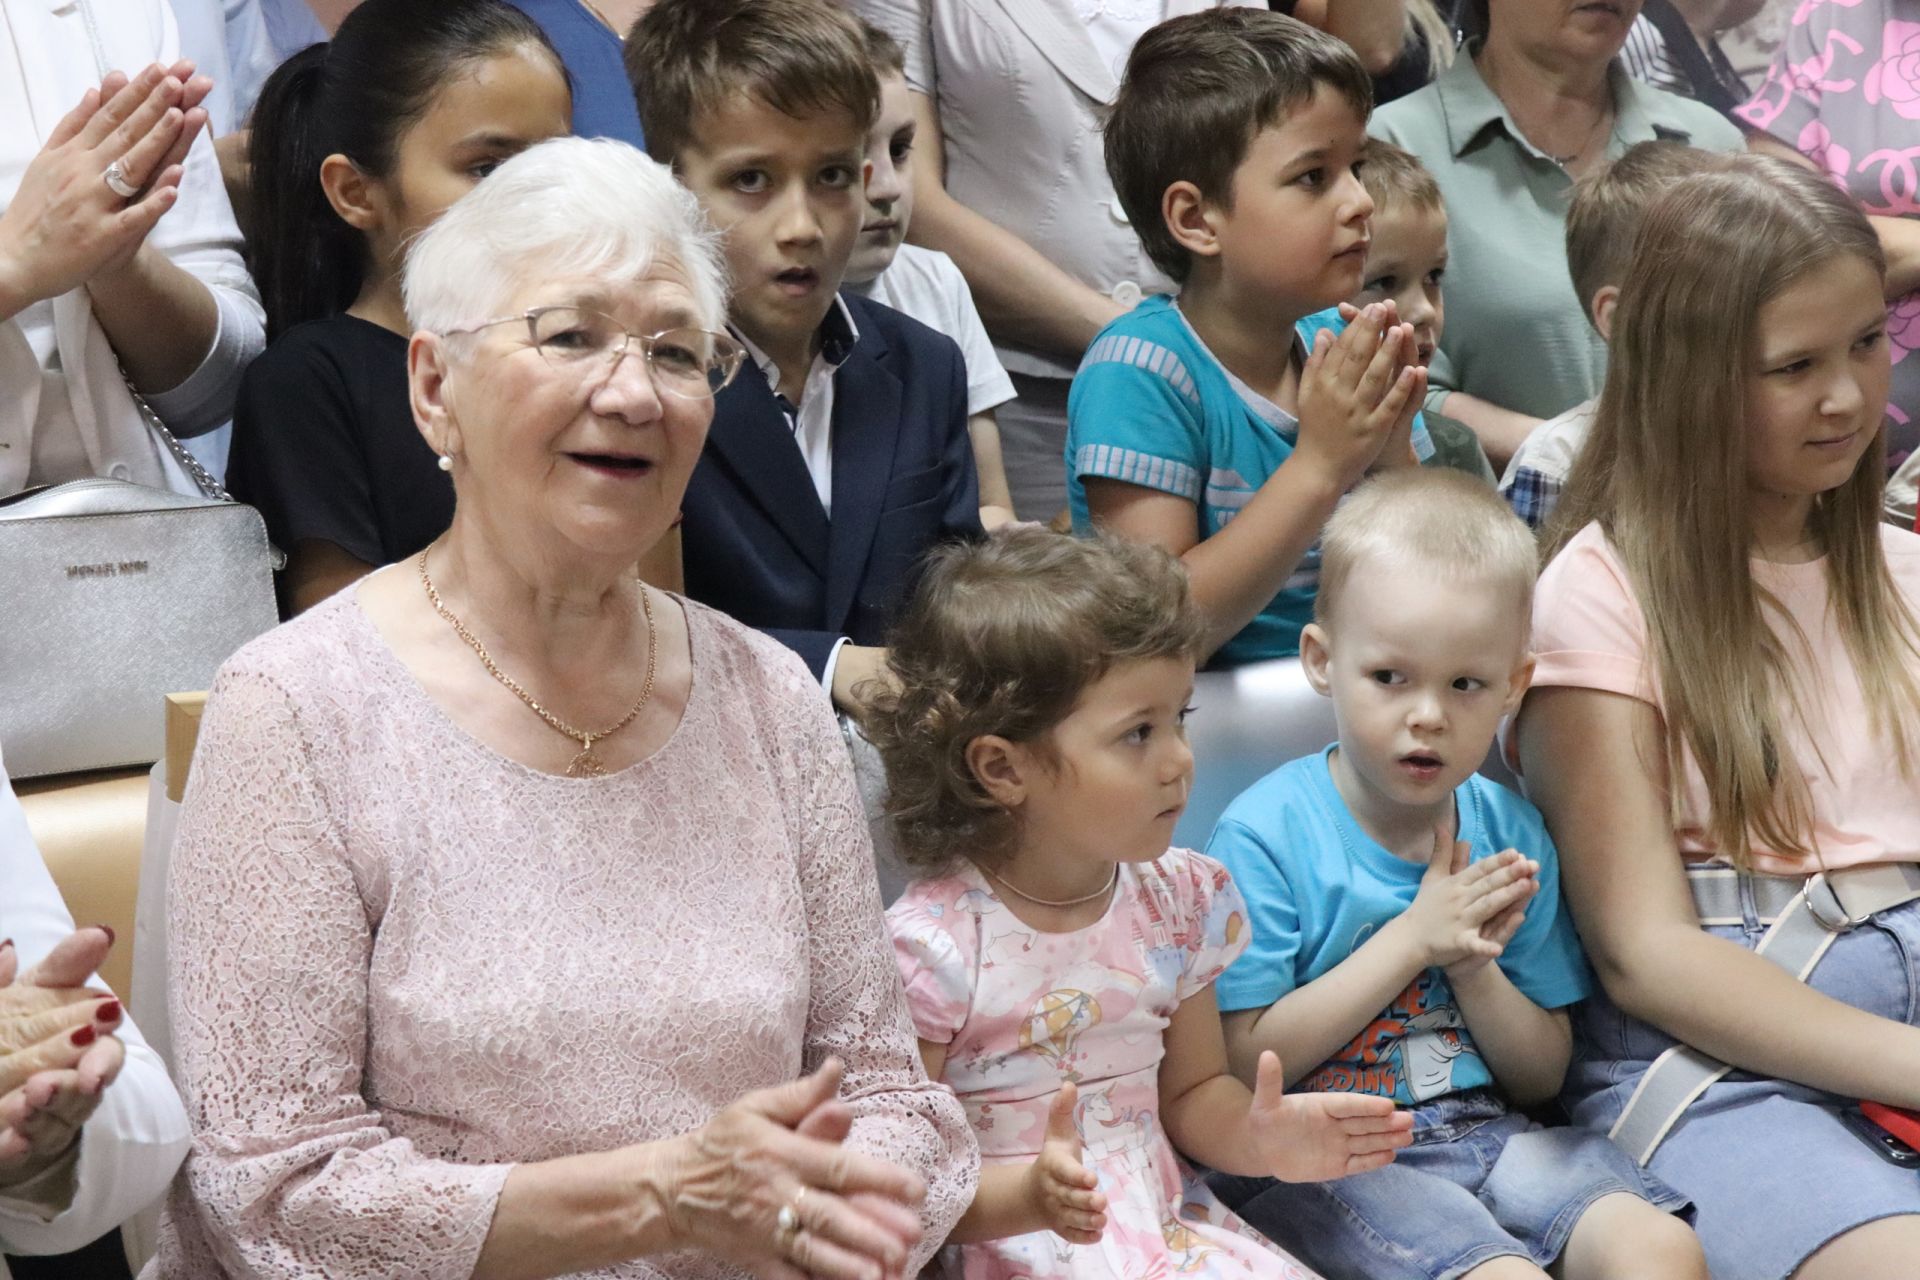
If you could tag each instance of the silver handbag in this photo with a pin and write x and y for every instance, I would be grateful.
(115, 596)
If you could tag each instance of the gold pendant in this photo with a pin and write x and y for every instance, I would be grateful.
(586, 765)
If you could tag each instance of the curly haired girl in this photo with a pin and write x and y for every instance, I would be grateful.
(1060, 961)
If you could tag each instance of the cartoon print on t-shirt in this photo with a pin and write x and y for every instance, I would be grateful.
(1408, 1053)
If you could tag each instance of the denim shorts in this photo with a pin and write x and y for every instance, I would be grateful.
(1480, 1182)
(1772, 1171)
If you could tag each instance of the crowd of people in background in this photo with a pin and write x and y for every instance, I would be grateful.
(662, 405)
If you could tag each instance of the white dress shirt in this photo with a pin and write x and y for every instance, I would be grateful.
(58, 372)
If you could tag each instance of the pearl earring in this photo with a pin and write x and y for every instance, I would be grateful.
(446, 463)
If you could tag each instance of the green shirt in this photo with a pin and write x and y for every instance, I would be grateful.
(1516, 333)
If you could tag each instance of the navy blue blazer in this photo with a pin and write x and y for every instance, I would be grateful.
(756, 542)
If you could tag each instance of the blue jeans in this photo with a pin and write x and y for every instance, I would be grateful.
(1772, 1171)
(1480, 1182)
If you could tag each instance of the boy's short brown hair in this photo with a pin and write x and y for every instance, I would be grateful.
(686, 58)
(1002, 637)
(1197, 89)
(1395, 177)
(883, 51)
(1610, 203)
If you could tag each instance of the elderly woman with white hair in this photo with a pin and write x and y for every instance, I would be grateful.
(523, 916)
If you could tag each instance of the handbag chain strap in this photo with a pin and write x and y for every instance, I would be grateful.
(201, 477)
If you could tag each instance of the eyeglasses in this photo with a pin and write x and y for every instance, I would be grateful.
(690, 363)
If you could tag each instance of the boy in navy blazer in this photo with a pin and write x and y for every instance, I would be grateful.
(839, 456)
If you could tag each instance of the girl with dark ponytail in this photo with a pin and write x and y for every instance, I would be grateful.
(357, 145)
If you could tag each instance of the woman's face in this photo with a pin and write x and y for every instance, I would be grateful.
(576, 461)
(481, 116)
(1554, 31)
(1818, 390)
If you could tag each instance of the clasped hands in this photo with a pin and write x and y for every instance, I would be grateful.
(67, 226)
(853, 1216)
(1465, 913)
(1359, 394)
(58, 1053)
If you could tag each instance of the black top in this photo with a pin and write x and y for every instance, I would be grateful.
(1407, 75)
(324, 444)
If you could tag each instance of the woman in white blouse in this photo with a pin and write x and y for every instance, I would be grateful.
(91, 1129)
(118, 248)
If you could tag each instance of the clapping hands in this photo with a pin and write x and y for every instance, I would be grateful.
(1467, 912)
(1315, 1137)
(58, 1053)
(66, 226)
(1359, 393)
(1060, 1183)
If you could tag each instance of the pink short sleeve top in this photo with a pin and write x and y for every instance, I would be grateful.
(1589, 633)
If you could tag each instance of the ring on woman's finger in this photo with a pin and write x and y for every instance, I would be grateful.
(788, 1219)
(116, 180)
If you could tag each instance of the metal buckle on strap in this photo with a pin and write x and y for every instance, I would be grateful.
(1824, 905)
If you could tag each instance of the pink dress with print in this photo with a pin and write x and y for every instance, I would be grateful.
(1844, 91)
(1020, 1010)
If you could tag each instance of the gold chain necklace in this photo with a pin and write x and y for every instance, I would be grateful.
(1004, 883)
(586, 764)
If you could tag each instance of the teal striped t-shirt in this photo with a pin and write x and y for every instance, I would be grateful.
(1151, 406)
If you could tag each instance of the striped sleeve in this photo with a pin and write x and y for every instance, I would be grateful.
(1134, 415)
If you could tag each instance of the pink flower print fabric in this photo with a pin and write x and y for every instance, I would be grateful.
(1020, 1010)
(1845, 92)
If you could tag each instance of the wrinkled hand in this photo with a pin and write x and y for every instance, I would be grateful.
(57, 1053)
(65, 226)
(1063, 1187)
(1463, 915)
(859, 1216)
(1359, 392)
(1317, 1137)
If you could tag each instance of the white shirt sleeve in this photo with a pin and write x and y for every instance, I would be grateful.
(137, 1138)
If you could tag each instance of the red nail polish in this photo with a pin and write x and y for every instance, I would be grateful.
(108, 930)
(5, 943)
(83, 1037)
(107, 1011)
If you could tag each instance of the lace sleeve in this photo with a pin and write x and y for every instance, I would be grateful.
(857, 1010)
(291, 1174)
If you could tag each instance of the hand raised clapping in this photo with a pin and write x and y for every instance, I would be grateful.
(1359, 393)
(58, 1053)
(67, 224)
(1315, 1137)
(766, 1184)
(1466, 912)
(1058, 1181)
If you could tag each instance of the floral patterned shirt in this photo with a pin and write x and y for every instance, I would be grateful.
(1844, 91)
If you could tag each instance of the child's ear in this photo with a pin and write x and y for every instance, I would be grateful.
(350, 192)
(1605, 299)
(1314, 658)
(998, 765)
(1190, 219)
(1517, 684)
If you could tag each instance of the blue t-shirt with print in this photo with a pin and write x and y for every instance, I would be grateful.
(1151, 406)
(1317, 887)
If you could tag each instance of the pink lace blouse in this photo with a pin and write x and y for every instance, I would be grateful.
(402, 962)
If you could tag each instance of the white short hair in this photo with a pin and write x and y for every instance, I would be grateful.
(567, 206)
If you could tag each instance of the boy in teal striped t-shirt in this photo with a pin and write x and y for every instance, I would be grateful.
(1192, 423)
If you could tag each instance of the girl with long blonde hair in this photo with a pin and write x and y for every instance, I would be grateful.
(1724, 731)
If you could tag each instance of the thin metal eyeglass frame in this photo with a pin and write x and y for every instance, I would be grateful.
(531, 317)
